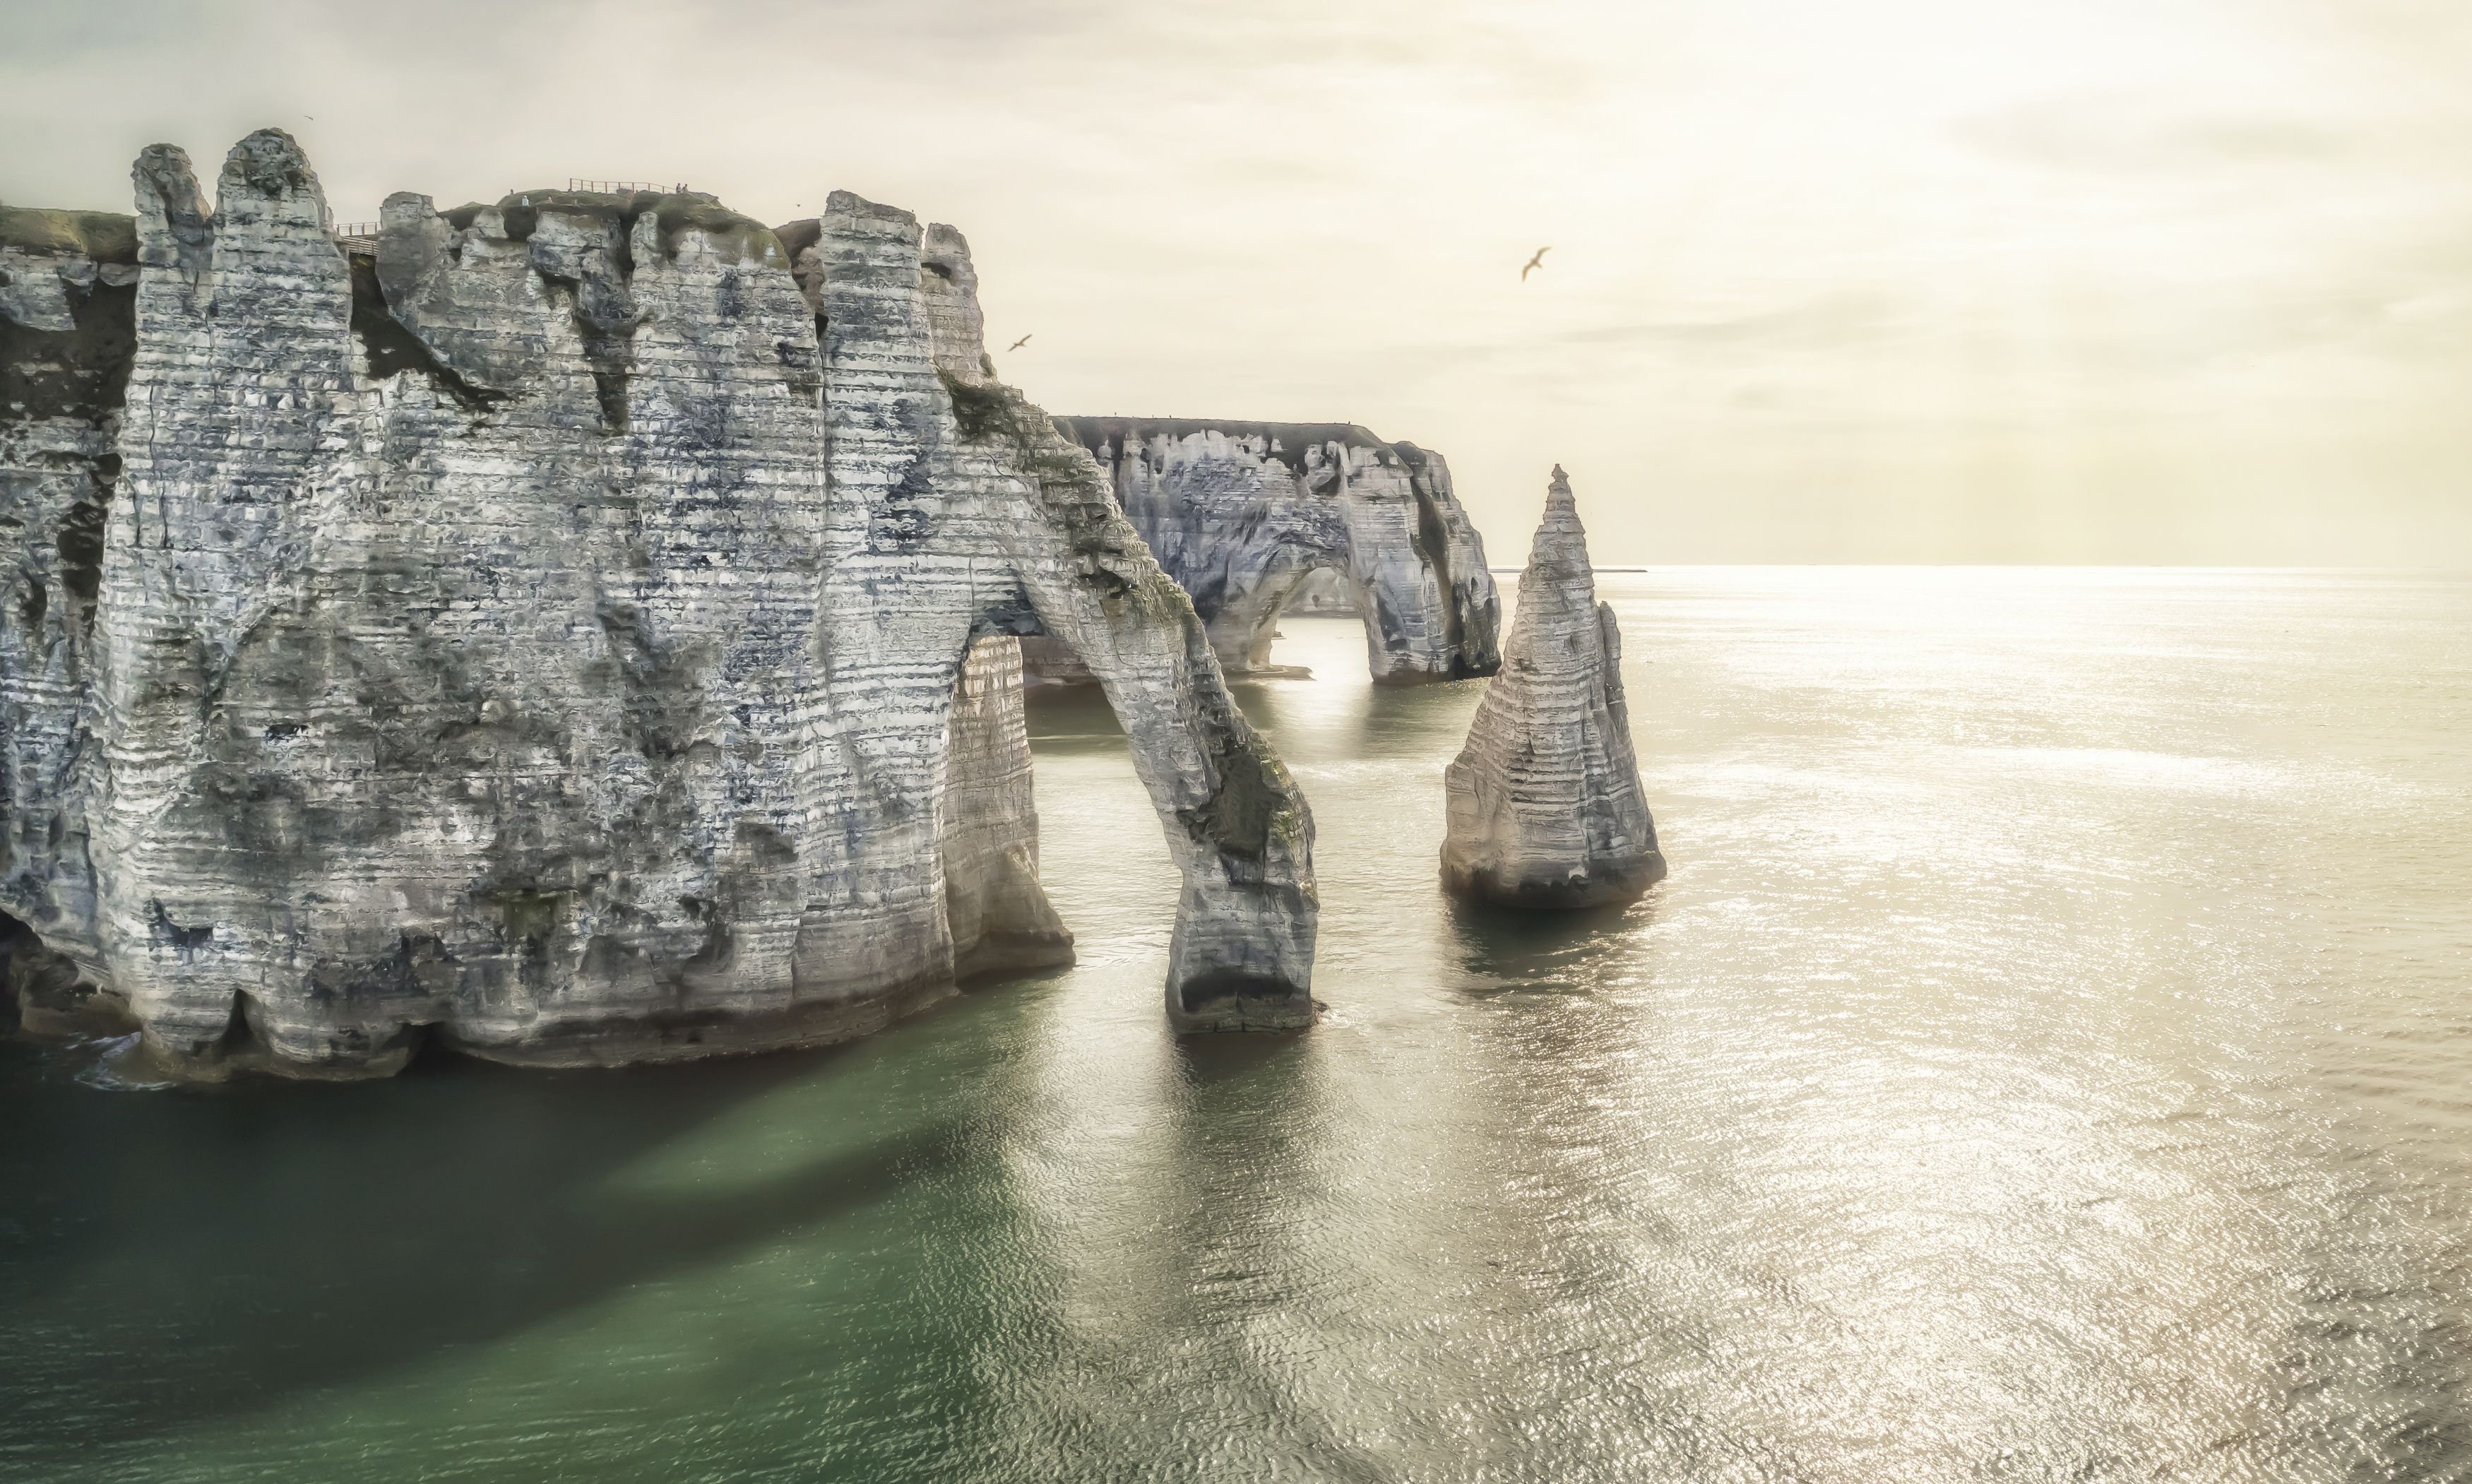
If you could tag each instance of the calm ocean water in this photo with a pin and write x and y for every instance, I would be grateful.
(2049, 1058)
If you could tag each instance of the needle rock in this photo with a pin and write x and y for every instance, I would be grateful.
(1545, 806)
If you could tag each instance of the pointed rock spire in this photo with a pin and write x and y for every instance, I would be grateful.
(1545, 803)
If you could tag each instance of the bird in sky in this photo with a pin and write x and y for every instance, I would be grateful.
(1534, 264)
(1018, 343)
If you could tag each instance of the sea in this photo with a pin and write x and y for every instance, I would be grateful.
(2049, 1058)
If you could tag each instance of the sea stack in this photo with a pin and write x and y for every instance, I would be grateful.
(1546, 809)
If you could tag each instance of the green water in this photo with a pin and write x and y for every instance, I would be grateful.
(2049, 1058)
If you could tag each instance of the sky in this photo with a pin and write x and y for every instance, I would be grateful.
(2153, 281)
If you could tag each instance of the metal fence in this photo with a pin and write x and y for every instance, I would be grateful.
(356, 228)
(624, 187)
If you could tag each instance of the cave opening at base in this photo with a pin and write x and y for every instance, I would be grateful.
(14, 935)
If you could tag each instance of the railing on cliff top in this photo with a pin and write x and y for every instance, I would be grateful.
(624, 187)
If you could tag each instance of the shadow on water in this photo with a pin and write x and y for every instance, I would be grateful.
(173, 1257)
(1405, 720)
(1207, 1061)
(1502, 948)
(1260, 1145)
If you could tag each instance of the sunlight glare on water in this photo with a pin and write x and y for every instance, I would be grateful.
(2050, 1058)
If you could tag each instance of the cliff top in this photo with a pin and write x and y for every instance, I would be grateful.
(104, 236)
(1288, 440)
(676, 214)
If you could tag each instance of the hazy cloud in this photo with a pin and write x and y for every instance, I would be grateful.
(1831, 321)
(2129, 135)
(1930, 278)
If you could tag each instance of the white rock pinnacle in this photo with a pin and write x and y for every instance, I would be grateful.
(1545, 802)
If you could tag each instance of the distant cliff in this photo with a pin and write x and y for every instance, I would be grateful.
(1240, 514)
(539, 629)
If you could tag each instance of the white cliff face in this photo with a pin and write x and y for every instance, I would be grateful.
(1545, 805)
(1241, 513)
(505, 639)
(67, 314)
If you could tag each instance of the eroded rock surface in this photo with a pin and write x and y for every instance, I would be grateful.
(67, 325)
(1241, 514)
(1324, 593)
(505, 638)
(1545, 805)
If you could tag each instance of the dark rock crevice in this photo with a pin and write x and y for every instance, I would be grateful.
(393, 349)
(80, 372)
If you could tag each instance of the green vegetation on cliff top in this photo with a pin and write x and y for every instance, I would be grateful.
(104, 236)
(677, 215)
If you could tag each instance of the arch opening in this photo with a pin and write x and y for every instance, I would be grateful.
(1242, 631)
(1002, 923)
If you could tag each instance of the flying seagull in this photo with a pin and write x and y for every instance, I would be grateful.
(1534, 264)
(1018, 343)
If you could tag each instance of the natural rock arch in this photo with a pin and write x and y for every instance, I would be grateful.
(1240, 514)
(933, 449)
(503, 636)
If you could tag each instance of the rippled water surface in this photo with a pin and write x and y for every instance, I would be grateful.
(2049, 1058)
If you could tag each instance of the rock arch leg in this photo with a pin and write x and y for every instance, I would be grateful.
(958, 508)
(1240, 833)
(1241, 957)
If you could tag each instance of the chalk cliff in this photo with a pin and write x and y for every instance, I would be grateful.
(503, 637)
(67, 324)
(1545, 805)
(1324, 593)
(1240, 514)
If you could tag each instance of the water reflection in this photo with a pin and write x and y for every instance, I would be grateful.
(1545, 951)
(174, 1258)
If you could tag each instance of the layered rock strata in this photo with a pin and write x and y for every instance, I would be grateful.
(1324, 593)
(1545, 805)
(1241, 514)
(505, 637)
(67, 328)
